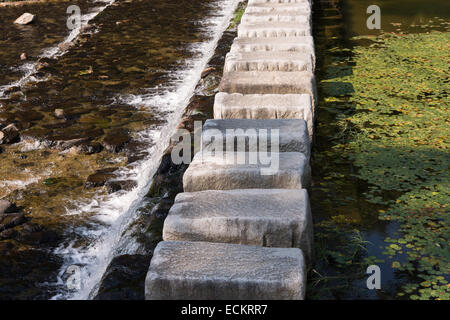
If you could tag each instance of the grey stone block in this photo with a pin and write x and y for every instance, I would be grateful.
(215, 271)
(299, 8)
(265, 30)
(275, 2)
(273, 82)
(264, 106)
(262, 217)
(291, 135)
(239, 170)
(269, 61)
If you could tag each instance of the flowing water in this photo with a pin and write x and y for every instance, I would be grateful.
(124, 83)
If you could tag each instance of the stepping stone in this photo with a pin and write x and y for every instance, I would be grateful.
(216, 271)
(269, 61)
(265, 106)
(299, 8)
(291, 135)
(273, 82)
(292, 44)
(246, 170)
(261, 217)
(264, 17)
(265, 30)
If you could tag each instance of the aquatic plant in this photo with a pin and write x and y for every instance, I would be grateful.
(394, 128)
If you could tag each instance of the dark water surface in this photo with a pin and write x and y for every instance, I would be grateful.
(337, 196)
(48, 30)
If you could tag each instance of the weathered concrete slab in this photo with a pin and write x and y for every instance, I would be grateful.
(299, 8)
(239, 170)
(290, 135)
(265, 106)
(274, 82)
(283, 17)
(269, 61)
(216, 271)
(265, 30)
(262, 217)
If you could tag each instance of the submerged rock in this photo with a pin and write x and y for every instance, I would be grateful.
(64, 145)
(28, 116)
(207, 71)
(12, 90)
(31, 228)
(5, 247)
(9, 134)
(8, 221)
(135, 151)
(8, 234)
(208, 85)
(41, 237)
(69, 134)
(24, 271)
(25, 18)
(46, 60)
(89, 148)
(23, 56)
(59, 113)
(65, 45)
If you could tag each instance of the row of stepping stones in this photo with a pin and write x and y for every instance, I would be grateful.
(236, 233)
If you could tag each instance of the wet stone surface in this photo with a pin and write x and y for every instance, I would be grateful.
(99, 178)
(136, 51)
(167, 181)
(124, 278)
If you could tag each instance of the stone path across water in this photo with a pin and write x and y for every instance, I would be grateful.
(241, 231)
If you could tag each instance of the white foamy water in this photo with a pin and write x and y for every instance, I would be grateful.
(30, 68)
(114, 213)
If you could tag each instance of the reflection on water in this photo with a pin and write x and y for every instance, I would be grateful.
(347, 228)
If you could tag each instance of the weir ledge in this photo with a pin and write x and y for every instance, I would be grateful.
(239, 231)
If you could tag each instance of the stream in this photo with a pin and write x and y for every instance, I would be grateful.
(122, 85)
